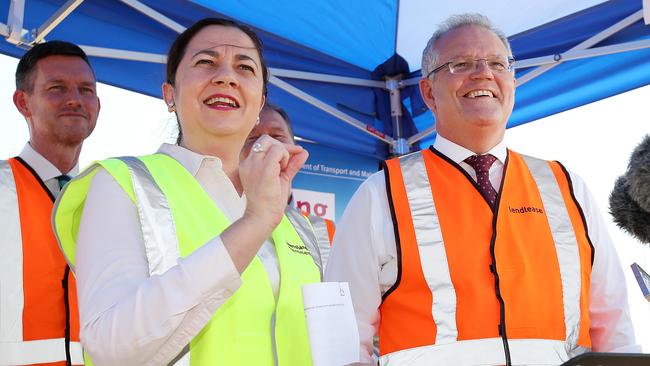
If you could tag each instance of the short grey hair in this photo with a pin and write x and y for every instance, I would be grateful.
(454, 22)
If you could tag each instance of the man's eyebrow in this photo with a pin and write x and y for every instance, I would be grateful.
(64, 81)
(213, 53)
(55, 81)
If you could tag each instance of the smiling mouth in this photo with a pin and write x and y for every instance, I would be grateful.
(480, 93)
(69, 114)
(221, 102)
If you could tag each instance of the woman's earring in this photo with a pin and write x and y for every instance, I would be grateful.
(171, 107)
(258, 121)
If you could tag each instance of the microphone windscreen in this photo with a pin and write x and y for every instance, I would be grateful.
(627, 213)
(638, 174)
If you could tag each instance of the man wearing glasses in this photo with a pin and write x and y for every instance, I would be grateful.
(467, 253)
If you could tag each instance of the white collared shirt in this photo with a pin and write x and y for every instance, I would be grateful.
(130, 318)
(45, 169)
(364, 254)
(458, 154)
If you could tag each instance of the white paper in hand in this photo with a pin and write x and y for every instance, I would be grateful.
(332, 326)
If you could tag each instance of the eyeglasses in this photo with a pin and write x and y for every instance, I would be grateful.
(463, 65)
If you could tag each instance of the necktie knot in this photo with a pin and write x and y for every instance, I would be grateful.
(481, 163)
(63, 179)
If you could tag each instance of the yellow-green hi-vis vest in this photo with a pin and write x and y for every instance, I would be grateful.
(177, 217)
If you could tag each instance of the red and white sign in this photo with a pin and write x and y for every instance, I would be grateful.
(316, 203)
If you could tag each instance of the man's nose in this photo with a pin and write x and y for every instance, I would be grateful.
(73, 98)
(481, 69)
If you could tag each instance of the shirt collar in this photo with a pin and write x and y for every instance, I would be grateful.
(43, 167)
(189, 159)
(458, 153)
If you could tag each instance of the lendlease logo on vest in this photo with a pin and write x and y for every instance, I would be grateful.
(300, 249)
(525, 209)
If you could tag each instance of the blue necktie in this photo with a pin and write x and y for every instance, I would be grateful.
(63, 180)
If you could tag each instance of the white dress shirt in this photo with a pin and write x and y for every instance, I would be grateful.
(364, 254)
(130, 318)
(45, 170)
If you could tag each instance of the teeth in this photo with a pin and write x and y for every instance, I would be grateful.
(222, 100)
(479, 93)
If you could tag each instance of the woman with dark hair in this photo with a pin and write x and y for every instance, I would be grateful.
(186, 253)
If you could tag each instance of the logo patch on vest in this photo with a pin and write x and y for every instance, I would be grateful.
(300, 249)
(525, 209)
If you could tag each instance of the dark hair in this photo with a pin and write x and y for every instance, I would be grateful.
(268, 106)
(27, 63)
(177, 51)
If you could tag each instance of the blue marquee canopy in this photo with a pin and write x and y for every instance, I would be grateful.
(335, 63)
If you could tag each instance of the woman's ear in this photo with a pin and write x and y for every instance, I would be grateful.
(168, 96)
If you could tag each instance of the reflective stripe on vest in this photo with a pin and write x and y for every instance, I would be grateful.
(448, 239)
(42, 351)
(484, 352)
(32, 299)
(324, 230)
(242, 330)
(307, 234)
(566, 244)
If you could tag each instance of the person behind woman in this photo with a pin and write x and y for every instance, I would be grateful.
(172, 250)
(274, 121)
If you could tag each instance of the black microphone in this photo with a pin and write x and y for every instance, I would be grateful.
(629, 202)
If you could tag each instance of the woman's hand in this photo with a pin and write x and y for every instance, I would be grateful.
(266, 175)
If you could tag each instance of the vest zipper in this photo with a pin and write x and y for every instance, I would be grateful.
(493, 269)
(66, 302)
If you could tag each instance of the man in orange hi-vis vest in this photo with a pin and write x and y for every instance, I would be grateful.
(56, 93)
(274, 121)
(467, 253)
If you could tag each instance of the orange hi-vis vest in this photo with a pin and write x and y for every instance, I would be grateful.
(38, 304)
(483, 286)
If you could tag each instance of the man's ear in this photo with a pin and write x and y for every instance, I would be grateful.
(21, 101)
(426, 90)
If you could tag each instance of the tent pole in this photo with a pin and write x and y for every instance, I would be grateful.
(124, 54)
(393, 85)
(326, 78)
(580, 54)
(293, 74)
(646, 11)
(37, 35)
(629, 20)
(330, 110)
(155, 15)
(15, 21)
(422, 134)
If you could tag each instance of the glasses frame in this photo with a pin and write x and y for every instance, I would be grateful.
(511, 62)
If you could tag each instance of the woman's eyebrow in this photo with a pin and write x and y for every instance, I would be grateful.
(213, 53)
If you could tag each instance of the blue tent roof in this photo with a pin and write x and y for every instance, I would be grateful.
(353, 39)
